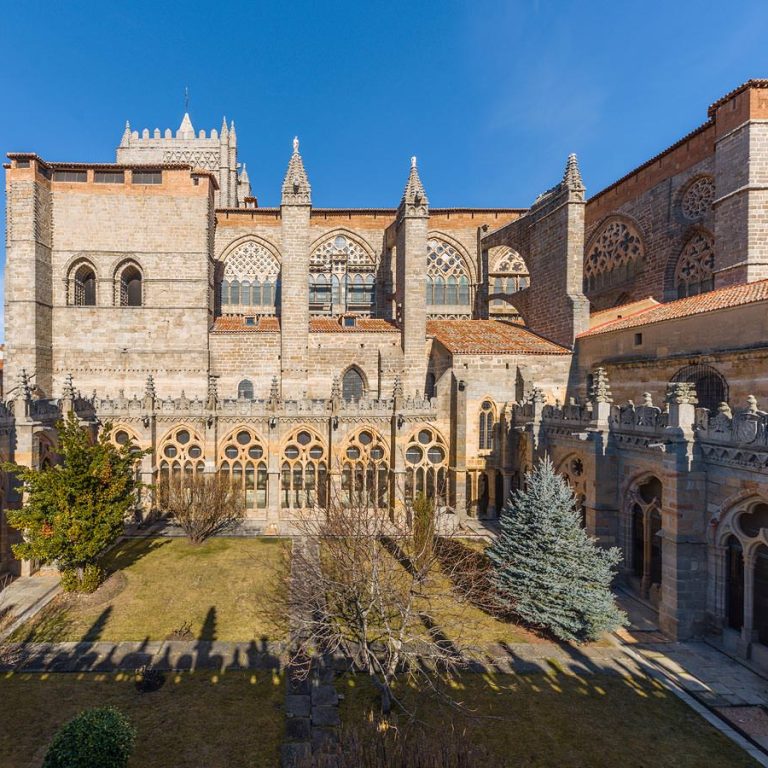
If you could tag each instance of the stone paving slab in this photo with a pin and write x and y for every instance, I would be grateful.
(24, 597)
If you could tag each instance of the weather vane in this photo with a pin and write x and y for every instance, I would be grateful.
(186, 98)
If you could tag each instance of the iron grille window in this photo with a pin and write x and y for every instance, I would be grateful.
(711, 386)
(109, 177)
(78, 176)
(147, 177)
(352, 385)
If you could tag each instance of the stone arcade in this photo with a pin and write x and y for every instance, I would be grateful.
(314, 353)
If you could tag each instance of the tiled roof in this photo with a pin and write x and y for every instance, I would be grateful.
(603, 316)
(754, 83)
(236, 324)
(724, 298)
(488, 337)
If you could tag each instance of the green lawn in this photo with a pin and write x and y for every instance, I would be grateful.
(196, 719)
(219, 588)
(563, 720)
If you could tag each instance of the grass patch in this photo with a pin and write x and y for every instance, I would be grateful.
(562, 720)
(232, 719)
(219, 588)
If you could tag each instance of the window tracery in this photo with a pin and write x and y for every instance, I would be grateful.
(698, 198)
(507, 275)
(617, 254)
(130, 285)
(342, 277)
(487, 425)
(251, 280)
(352, 385)
(365, 471)
(694, 273)
(243, 462)
(447, 276)
(304, 472)
(426, 460)
(181, 456)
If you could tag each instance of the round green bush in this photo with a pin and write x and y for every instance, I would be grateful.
(90, 581)
(97, 738)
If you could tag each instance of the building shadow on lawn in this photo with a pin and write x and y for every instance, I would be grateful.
(129, 551)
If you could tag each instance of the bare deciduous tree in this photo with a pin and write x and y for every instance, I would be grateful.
(202, 504)
(373, 589)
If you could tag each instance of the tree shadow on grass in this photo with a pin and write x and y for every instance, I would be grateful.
(129, 551)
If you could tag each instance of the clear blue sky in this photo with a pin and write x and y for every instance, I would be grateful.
(491, 96)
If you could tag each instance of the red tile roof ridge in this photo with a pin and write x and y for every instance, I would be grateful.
(491, 337)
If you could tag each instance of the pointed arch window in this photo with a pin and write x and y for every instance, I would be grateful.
(245, 390)
(365, 471)
(694, 273)
(352, 386)
(426, 460)
(130, 286)
(83, 286)
(304, 472)
(447, 282)
(181, 457)
(486, 427)
(251, 280)
(243, 461)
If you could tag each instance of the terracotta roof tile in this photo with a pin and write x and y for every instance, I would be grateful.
(236, 324)
(488, 337)
(603, 316)
(723, 298)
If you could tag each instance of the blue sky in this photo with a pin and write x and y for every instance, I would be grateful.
(491, 96)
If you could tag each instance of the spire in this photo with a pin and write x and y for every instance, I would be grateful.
(296, 187)
(572, 175)
(224, 135)
(601, 387)
(232, 134)
(414, 197)
(126, 140)
(185, 129)
(244, 176)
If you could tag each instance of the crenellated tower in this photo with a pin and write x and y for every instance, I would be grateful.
(216, 152)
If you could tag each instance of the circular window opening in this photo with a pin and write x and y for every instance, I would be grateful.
(316, 452)
(255, 452)
(435, 454)
(487, 405)
(353, 452)
(292, 452)
(121, 437)
(377, 452)
(365, 438)
(170, 451)
(231, 451)
(182, 436)
(414, 454)
(243, 437)
(304, 438)
(195, 451)
(425, 436)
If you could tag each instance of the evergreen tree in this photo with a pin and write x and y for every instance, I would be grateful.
(546, 569)
(75, 510)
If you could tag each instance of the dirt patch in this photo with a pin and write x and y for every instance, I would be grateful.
(751, 720)
(107, 592)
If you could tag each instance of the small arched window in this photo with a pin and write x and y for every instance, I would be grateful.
(130, 287)
(84, 289)
(485, 442)
(710, 385)
(352, 387)
(245, 390)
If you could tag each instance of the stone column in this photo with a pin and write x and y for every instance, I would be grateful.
(458, 464)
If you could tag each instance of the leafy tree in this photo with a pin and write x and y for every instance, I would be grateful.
(546, 569)
(96, 738)
(74, 510)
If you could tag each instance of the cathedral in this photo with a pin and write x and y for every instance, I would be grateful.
(317, 355)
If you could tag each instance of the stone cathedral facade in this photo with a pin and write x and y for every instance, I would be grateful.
(318, 354)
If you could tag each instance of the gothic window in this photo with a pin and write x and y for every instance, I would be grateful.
(507, 274)
(243, 461)
(245, 390)
(616, 255)
(352, 386)
(180, 457)
(486, 426)
(645, 527)
(83, 286)
(251, 280)
(342, 277)
(695, 267)
(365, 471)
(304, 472)
(698, 198)
(426, 461)
(447, 275)
(711, 386)
(130, 286)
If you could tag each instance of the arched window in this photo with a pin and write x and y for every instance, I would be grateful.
(343, 274)
(694, 273)
(352, 386)
(646, 548)
(84, 286)
(304, 472)
(130, 286)
(486, 426)
(426, 460)
(711, 386)
(245, 390)
(243, 461)
(252, 272)
(180, 457)
(365, 471)
(615, 254)
(507, 273)
(447, 281)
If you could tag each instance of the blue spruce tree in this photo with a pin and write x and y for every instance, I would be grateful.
(546, 569)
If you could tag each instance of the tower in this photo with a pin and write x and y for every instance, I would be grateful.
(295, 207)
(412, 225)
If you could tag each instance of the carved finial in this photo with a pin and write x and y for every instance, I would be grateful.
(149, 388)
(274, 390)
(601, 387)
(397, 390)
(572, 176)
(537, 396)
(296, 187)
(413, 161)
(24, 390)
(336, 388)
(213, 394)
(751, 404)
(126, 140)
(725, 410)
(647, 400)
(295, 145)
(414, 197)
(68, 392)
(681, 393)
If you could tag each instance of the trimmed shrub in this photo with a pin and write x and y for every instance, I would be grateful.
(91, 579)
(96, 738)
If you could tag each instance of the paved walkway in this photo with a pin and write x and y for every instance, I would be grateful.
(23, 597)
